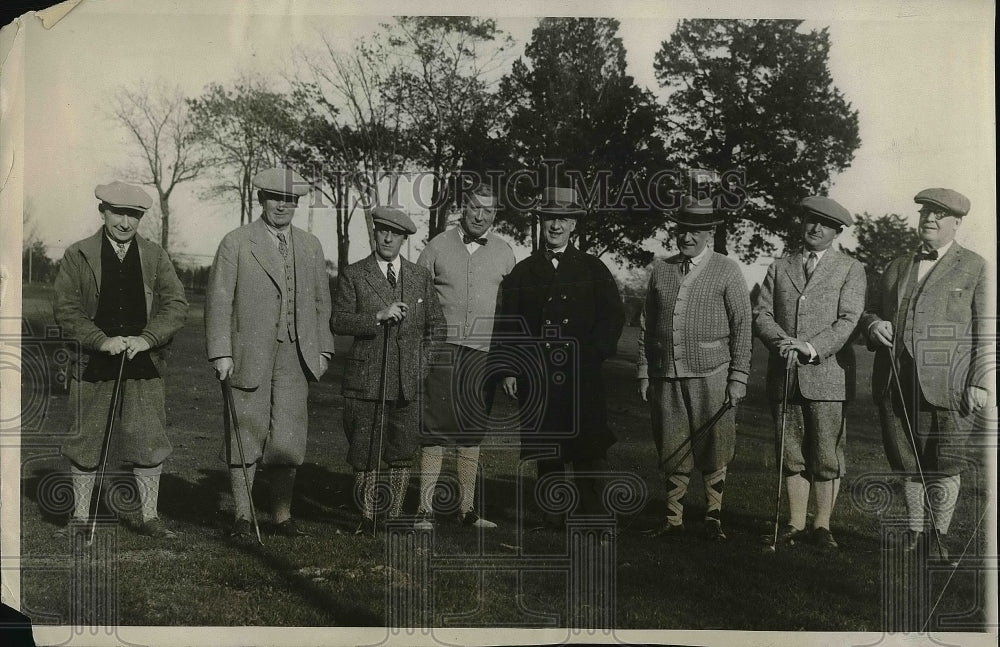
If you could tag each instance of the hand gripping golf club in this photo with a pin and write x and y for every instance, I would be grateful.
(106, 447)
(913, 442)
(789, 367)
(229, 415)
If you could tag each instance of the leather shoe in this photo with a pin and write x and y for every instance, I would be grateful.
(288, 528)
(823, 539)
(473, 520)
(668, 531)
(790, 534)
(366, 527)
(937, 550)
(712, 530)
(425, 521)
(241, 529)
(156, 529)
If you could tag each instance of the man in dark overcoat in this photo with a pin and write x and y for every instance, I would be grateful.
(563, 314)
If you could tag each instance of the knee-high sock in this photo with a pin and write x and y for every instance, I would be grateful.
(715, 483)
(430, 471)
(364, 493)
(943, 495)
(914, 493)
(798, 500)
(241, 500)
(83, 489)
(147, 480)
(282, 486)
(399, 481)
(677, 485)
(467, 466)
(826, 498)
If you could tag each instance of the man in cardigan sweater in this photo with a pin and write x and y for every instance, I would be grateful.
(694, 358)
(808, 309)
(467, 264)
(117, 292)
(933, 318)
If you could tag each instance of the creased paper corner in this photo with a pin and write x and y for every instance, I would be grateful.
(54, 14)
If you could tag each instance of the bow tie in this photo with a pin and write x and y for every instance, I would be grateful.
(549, 255)
(466, 239)
(927, 256)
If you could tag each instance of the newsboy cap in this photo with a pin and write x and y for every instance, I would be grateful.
(126, 196)
(282, 181)
(696, 213)
(560, 202)
(827, 209)
(952, 202)
(394, 219)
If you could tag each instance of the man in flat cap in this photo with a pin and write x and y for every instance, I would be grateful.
(569, 315)
(806, 314)
(117, 292)
(379, 296)
(467, 264)
(267, 328)
(694, 361)
(929, 304)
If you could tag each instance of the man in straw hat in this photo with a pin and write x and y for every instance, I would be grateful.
(117, 292)
(808, 309)
(930, 324)
(267, 328)
(565, 305)
(694, 358)
(385, 302)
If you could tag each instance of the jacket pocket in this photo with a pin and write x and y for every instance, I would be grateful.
(958, 307)
(354, 369)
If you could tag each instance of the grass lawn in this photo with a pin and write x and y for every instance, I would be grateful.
(334, 578)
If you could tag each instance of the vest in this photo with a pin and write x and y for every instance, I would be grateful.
(286, 323)
(121, 310)
(908, 304)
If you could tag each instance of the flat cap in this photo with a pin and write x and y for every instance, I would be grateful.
(560, 202)
(127, 196)
(394, 219)
(698, 213)
(281, 180)
(828, 209)
(951, 201)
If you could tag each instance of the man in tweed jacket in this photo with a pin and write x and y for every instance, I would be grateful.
(808, 309)
(694, 358)
(267, 328)
(385, 294)
(933, 317)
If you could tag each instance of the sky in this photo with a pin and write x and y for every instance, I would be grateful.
(919, 73)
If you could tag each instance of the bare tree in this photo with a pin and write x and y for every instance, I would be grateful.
(165, 154)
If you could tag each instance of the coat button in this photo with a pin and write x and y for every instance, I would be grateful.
(548, 321)
(565, 321)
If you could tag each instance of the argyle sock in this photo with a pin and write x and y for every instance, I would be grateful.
(677, 485)
(241, 500)
(826, 498)
(914, 493)
(83, 489)
(943, 495)
(282, 486)
(715, 483)
(798, 500)
(364, 493)
(399, 480)
(467, 465)
(430, 471)
(147, 480)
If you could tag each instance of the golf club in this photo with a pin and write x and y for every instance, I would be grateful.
(229, 414)
(381, 416)
(106, 447)
(789, 367)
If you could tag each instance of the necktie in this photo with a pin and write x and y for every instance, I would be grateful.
(811, 265)
(931, 255)
(466, 239)
(121, 250)
(685, 266)
(283, 246)
(390, 275)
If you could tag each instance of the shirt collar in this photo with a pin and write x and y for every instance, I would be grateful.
(702, 256)
(115, 243)
(287, 231)
(396, 263)
(941, 251)
(556, 250)
(819, 254)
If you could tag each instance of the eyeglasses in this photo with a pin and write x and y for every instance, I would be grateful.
(932, 215)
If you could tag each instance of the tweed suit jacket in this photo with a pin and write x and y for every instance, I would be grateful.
(952, 323)
(243, 302)
(823, 311)
(78, 289)
(717, 320)
(361, 292)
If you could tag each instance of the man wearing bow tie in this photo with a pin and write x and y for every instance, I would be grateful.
(467, 264)
(267, 328)
(694, 358)
(570, 315)
(929, 303)
(808, 309)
